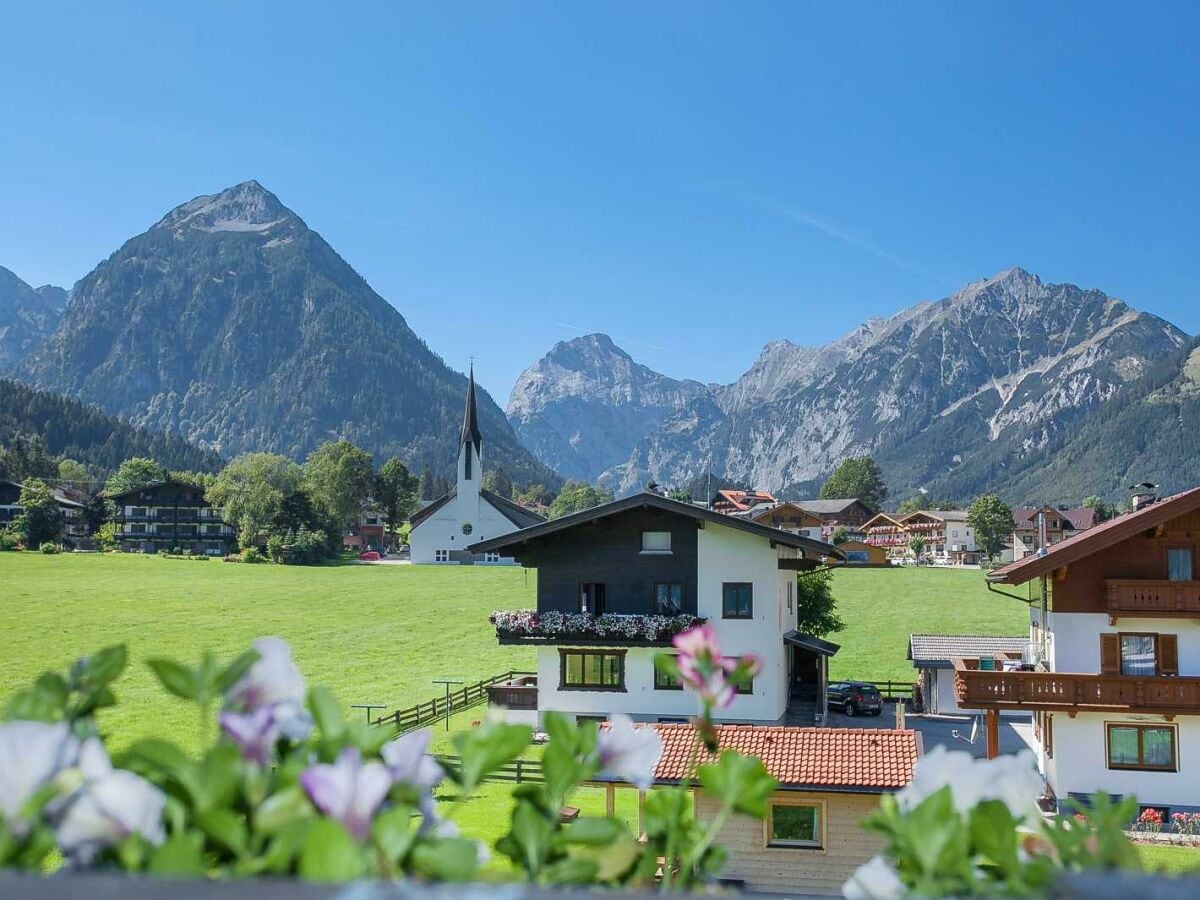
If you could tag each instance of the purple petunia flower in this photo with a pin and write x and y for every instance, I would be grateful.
(348, 790)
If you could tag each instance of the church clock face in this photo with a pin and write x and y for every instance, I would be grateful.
(467, 529)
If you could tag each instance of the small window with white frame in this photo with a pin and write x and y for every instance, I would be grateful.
(441, 556)
(795, 826)
(491, 557)
(656, 542)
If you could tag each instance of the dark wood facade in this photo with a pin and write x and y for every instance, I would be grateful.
(169, 516)
(610, 553)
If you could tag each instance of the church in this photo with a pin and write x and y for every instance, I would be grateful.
(469, 513)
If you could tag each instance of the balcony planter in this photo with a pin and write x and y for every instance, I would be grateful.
(527, 625)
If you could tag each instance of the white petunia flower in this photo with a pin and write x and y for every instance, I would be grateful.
(31, 755)
(272, 679)
(1013, 780)
(628, 752)
(874, 880)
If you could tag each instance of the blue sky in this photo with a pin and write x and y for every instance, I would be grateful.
(696, 179)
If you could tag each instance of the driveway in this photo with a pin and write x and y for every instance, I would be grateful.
(1016, 732)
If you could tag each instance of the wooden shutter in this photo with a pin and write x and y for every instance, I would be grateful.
(1167, 648)
(1049, 730)
(1110, 654)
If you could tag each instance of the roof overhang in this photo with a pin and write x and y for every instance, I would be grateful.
(812, 643)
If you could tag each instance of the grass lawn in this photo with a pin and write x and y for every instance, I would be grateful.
(1170, 860)
(881, 607)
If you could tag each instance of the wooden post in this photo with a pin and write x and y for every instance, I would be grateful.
(641, 812)
(610, 800)
(993, 734)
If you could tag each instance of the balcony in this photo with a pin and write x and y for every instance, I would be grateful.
(1146, 598)
(1072, 692)
(520, 693)
(527, 626)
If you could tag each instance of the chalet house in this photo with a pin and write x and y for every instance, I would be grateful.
(788, 516)
(884, 530)
(616, 582)
(367, 533)
(731, 501)
(1114, 678)
(830, 779)
(933, 657)
(860, 553)
(849, 513)
(1053, 524)
(168, 515)
(947, 537)
(469, 513)
(74, 529)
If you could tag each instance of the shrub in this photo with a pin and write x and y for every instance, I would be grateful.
(9, 540)
(253, 555)
(275, 548)
(49, 549)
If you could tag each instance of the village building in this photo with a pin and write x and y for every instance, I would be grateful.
(617, 581)
(884, 530)
(171, 515)
(733, 501)
(862, 554)
(468, 513)
(849, 513)
(1113, 674)
(1037, 526)
(788, 516)
(945, 537)
(74, 529)
(933, 657)
(367, 533)
(830, 779)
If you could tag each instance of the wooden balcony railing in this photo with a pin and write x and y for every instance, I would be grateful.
(1074, 692)
(520, 694)
(1143, 597)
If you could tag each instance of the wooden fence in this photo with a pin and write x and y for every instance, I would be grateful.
(518, 770)
(435, 710)
(892, 690)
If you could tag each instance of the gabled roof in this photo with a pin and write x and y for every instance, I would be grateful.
(811, 642)
(827, 507)
(859, 760)
(935, 651)
(943, 515)
(647, 500)
(59, 497)
(153, 485)
(743, 500)
(518, 515)
(470, 428)
(1081, 517)
(881, 519)
(1100, 537)
(765, 509)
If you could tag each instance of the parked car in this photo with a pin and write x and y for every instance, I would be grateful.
(369, 556)
(854, 697)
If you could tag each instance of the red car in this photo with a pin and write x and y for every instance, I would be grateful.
(369, 556)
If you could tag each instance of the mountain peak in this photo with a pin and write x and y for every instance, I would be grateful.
(245, 207)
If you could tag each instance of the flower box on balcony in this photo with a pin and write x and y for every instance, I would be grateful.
(530, 626)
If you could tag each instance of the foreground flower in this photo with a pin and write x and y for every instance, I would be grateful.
(874, 880)
(111, 805)
(408, 761)
(31, 755)
(255, 733)
(348, 790)
(1013, 780)
(704, 670)
(628, 752)
(272, 679)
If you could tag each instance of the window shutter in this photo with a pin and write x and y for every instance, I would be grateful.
(1168, 654)
(1110, 654)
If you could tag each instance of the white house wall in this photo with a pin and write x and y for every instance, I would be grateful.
(443, 530)
(1076, 641)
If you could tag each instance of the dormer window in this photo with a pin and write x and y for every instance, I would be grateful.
(656, 542)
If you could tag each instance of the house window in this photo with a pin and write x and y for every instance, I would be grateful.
(1138, 654)
(668, 598)
(656, 542)
(737, 600)
(491, 557)
(593, 597)
(441, 556)
(745, 686)
(664, 681)
(1179, 564)
(794, 825)
(1150, 747)
(593, 670)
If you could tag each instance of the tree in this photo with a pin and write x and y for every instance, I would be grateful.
(26, 457)
(576, 496)
(71, 470)
(252, 489)
(992, 520)
(426, 486)
(41, 520)
(816, 608)
(396, 493)
(535, 493)
(1104, 511)
(858, 477)
(339, 477)
(911, 505)
(916, 546)
(840, 535)
(97, 511)
(498, 482)
(681, 495)
(135, 472)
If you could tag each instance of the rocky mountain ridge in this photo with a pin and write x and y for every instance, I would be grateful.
(27, 316)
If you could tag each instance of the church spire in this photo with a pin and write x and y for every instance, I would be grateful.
(470, 429)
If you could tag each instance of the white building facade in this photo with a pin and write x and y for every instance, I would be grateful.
(442, 530)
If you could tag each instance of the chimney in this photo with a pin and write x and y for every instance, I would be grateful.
(1142, 495)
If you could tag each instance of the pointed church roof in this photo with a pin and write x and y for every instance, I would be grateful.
(470, 429)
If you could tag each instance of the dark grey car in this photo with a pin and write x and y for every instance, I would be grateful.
(854, 697)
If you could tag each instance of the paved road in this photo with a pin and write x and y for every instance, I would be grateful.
(1016, 732)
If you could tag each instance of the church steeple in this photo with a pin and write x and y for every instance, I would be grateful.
(470, 429)
(470, 444)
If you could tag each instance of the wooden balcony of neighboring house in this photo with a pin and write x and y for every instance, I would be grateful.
(1152, 599)
(520, 693)
(984, 684)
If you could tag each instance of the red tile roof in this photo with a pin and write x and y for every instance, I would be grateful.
(1097, 538)
(862, 759)
(1081, 517)
(743, 500)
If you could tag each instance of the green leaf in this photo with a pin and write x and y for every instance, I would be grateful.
(285, 846)
(181, 856)
(393, 833)
(446, 859)
(282, 809)
(994, 836)
(593, 831)
(165, 758)
(224, 827)
(739, 782)
(98, 698)
(329, 853)
(327, 713)
(529, 841)
(176, 678)
(31, 706)
(53, 687)
(486, 748)
(219, 774)
(571, 871)
(106, 665)
(233, 672)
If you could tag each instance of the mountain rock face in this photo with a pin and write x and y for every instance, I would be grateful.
(233, 323)
(27, 316)
(946, 395)
(583, 407)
